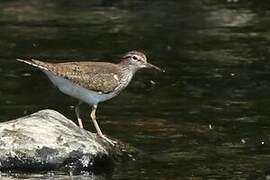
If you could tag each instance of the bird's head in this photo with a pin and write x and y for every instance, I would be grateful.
(137, 60)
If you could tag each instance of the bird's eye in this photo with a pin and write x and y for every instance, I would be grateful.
(135, 57)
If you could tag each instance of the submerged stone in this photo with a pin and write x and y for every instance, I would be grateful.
(46, 140)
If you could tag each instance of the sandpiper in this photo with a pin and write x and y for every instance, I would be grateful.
(93, 82)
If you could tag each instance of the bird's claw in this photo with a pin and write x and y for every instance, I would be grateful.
(112, 142)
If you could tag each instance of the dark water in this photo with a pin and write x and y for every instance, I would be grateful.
(207, 117)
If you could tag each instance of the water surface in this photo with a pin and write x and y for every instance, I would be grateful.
(207, 117)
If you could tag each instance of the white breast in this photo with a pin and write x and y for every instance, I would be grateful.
(88, 96)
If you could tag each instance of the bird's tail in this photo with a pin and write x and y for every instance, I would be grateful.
(35, 63)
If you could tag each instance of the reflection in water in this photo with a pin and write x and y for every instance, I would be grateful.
(231, 18)
(206, 117)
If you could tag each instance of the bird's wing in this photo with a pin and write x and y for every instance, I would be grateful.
(97, 76)
(100, 77)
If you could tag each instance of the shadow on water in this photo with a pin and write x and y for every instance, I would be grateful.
(207, 117)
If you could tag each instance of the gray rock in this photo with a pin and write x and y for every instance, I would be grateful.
(46, 140)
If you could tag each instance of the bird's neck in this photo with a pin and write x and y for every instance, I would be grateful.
(127, 72)
(127, 66)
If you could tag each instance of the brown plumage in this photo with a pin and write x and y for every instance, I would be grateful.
(97, 76)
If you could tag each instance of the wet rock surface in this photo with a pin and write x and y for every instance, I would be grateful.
(46, 140)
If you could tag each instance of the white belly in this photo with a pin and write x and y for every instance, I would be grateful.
(81, 93)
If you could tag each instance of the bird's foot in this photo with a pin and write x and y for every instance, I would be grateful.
(112, 142)
(80, 123)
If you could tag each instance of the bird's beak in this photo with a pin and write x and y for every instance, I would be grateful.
(148, 65)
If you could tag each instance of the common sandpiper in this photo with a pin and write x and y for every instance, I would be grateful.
(93, 82)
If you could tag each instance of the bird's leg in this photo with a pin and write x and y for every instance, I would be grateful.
(99, 132)
(77, 111)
